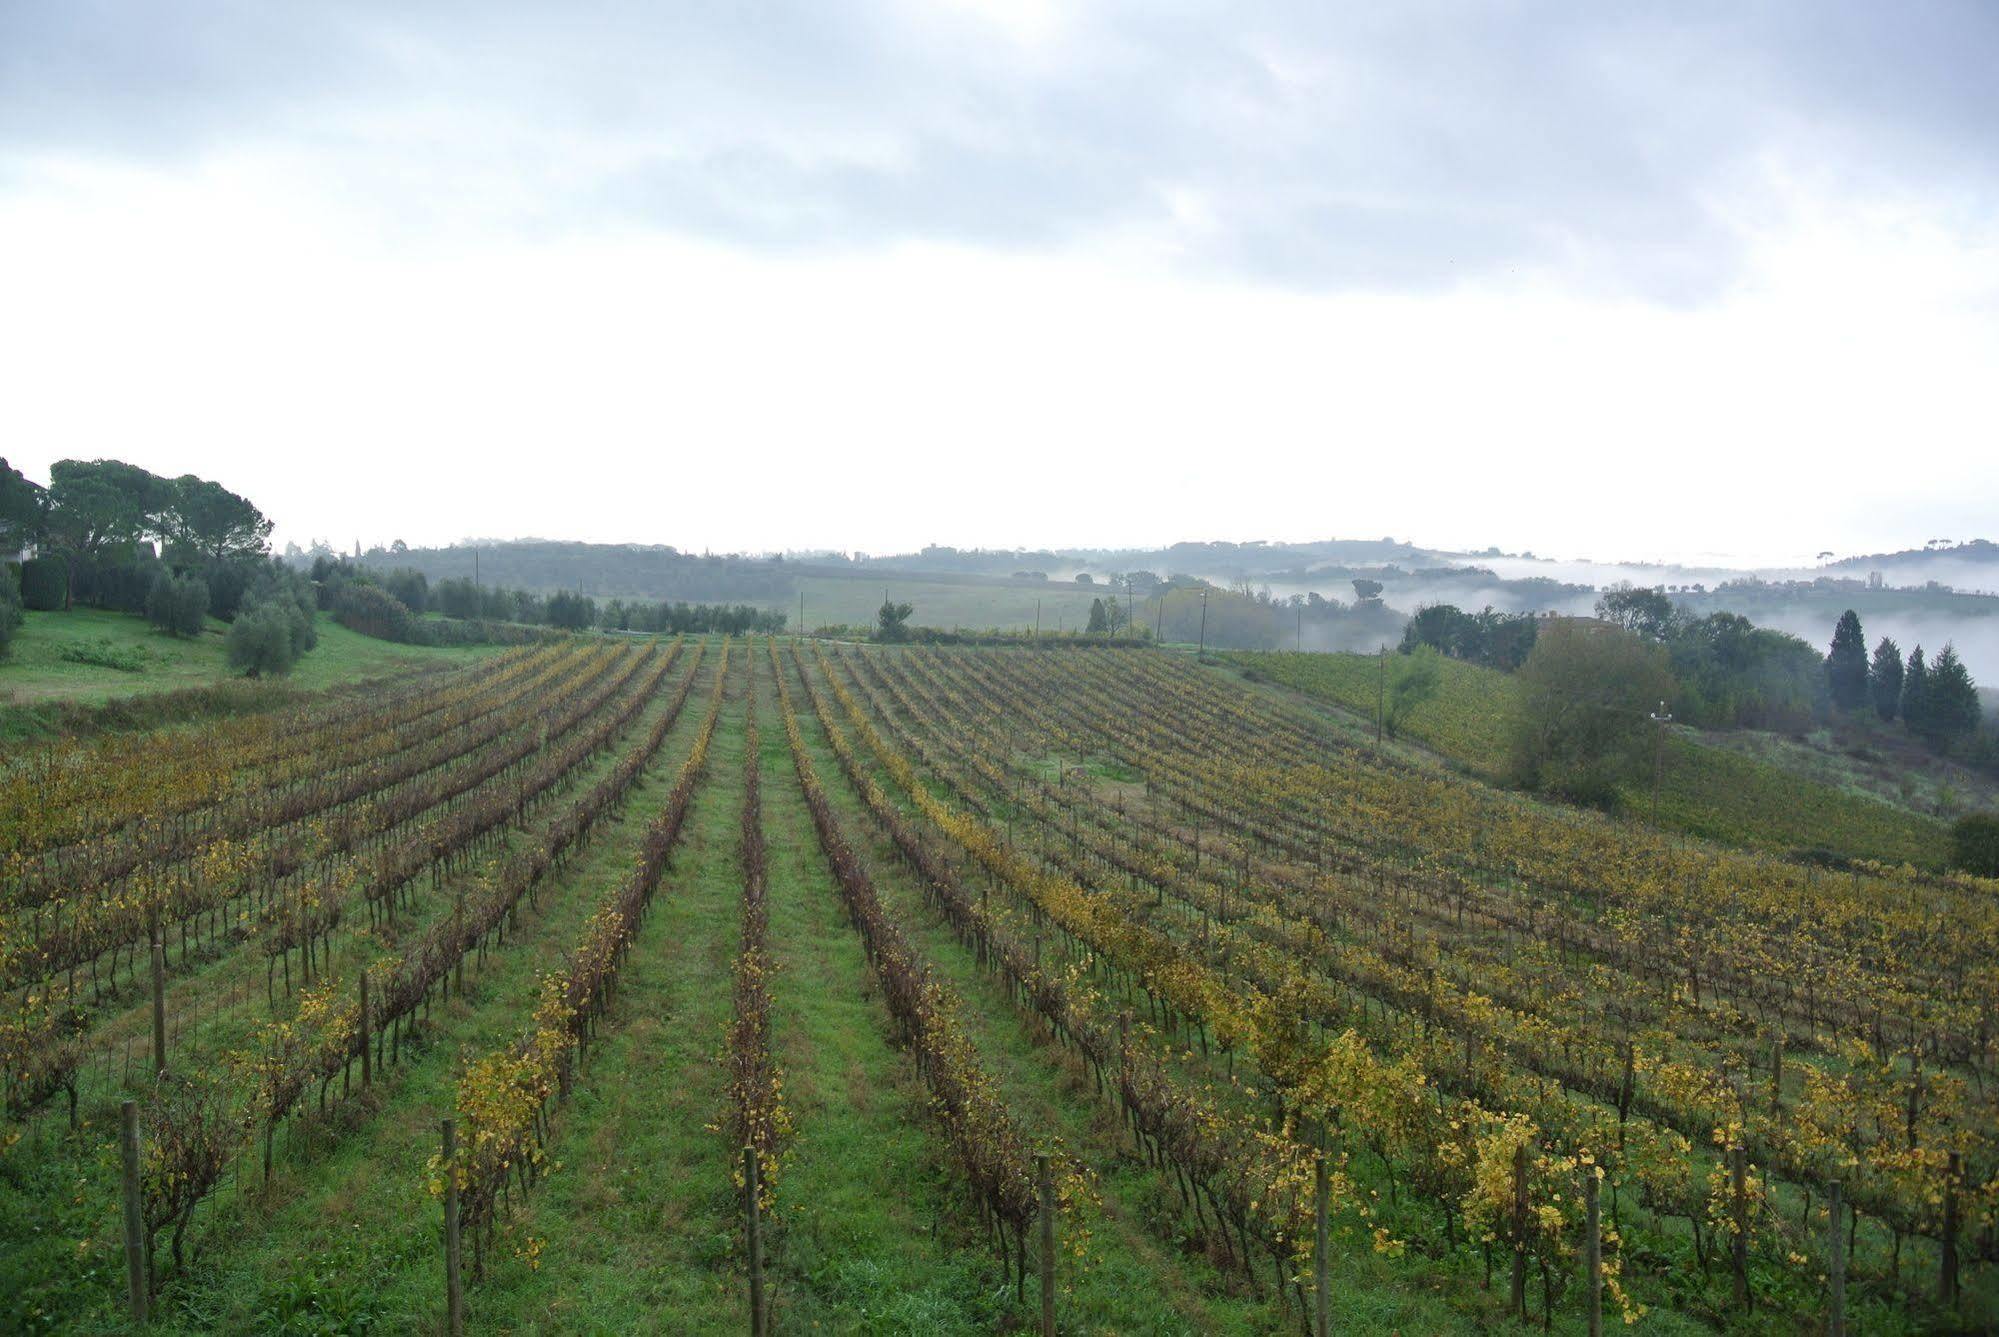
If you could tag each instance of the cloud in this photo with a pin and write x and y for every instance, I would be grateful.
(1415, 147)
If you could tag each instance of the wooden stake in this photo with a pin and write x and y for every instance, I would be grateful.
(1047, 1179)
(135, 1218)
(1322, 1286)
(1520, 1230)
(367, 1045)
(1836, 1260)
(1947, 1282)
(1593, 1251)
(454, 1279)
(159, 1008)
(759, 1321)
(1738, 1174)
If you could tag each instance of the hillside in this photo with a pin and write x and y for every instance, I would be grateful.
(974, 909)
(90, 656)
(1778, 798)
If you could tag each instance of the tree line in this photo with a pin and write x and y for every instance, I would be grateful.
(176, 551)
(392, 605)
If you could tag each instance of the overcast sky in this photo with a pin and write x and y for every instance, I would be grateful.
(1591, 279)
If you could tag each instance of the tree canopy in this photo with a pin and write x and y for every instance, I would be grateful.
(1581, 717)
(207, 519)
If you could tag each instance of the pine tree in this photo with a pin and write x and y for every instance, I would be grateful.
(1952, 699)
(1846, 663)
(1885, 678)
(1916, 693)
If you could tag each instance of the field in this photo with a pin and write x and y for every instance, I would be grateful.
(88, 656)
(975, 604)
(878, 929)
(1711, 791)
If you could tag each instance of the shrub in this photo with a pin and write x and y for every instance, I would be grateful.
(262, 641)
(45, 584)
(10, 613)
(1974, 843)
(373, 612)
(104, 654)
(178, 605)
(1580, 721)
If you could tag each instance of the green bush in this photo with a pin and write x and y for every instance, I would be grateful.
(263, 641)
(10, 612)
(104, 654)
(178, 605)
(1974, 843)
(45, 583)
(373, 611)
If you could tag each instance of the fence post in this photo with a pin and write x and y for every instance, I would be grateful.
(1836, 1258)
(1738, 1252)
(753, 1211)
(1322, 1285)
(454, 1278)
(1593, 1250)
(159, 1008)
(1047, 1180)
(367, 1040)
(135, 1218)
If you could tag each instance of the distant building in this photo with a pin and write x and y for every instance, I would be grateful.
(1873, 580)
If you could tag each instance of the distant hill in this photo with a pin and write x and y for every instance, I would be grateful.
(1979, 552)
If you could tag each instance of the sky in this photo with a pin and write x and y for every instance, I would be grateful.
(1690, 282)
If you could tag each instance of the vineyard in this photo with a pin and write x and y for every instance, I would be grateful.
(1706, 790)
(772, 985)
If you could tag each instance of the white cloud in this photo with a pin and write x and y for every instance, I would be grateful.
(638, 387)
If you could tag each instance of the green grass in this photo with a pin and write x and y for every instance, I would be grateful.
(88, 656)
(1008, 605)
(1710, 791)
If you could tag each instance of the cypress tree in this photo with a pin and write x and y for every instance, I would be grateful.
(1952, 699)
(1100, 622)
(1885, 679)
(1916, 693)
(1846, 663)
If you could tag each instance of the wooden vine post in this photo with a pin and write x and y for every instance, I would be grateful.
(159, 1008)
(135, 1218)
(752, 1188)
(1593, 1251)
(1835, 1262)
(454, 1272)
(1520, 1229)
(1738, 1249)
(367, 1046)
(1322, 1286)
(1947, 1282)
(1047, 1183)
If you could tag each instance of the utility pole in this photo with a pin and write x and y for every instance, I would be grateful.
(1661, 718)
(801, 612)
(1204, 623)
(1300, 645)
(1037, 619)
